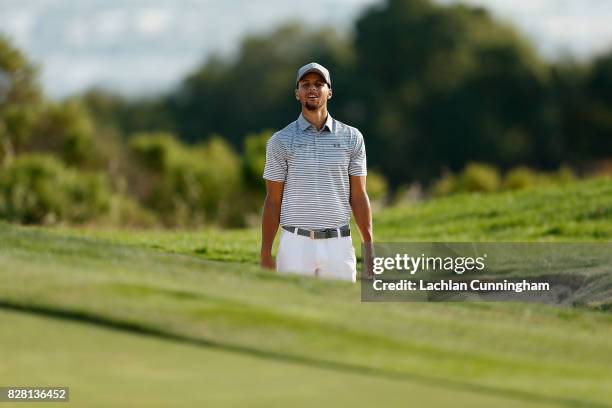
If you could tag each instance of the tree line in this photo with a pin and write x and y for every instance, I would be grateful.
(433, 89)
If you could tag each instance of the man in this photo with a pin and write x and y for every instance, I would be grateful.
(315, 174)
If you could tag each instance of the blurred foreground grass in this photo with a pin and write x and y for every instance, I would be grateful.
(105, 367)
(197, 296)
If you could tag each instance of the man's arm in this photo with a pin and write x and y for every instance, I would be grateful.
(270, 220)
(360, 204)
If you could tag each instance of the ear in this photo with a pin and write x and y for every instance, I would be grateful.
(330, 94)
(297, 96)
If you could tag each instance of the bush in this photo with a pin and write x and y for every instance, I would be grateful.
(484, 178)
(38, 189)
(64, 129)
(155, 151)
(446, 185)
(475, 177)
(478, 177)
(564, 175)
(192, 184)
(126, 212)
(254, 160)
(521, 178)
(376, 185)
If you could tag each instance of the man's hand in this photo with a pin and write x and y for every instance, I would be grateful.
(267, 261)
(368, 261)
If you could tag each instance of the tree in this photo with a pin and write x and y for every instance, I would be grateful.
(586, 99)
(254, 160)
(20, 98)
(254, 90)
(448, 84)
(117, 114)
(63, 129)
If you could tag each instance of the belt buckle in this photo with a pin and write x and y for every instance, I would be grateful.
(312, 236)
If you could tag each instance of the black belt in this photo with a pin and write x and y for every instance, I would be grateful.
(345, 231)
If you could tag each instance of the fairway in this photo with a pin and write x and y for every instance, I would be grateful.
(192, 314)
(106, 367)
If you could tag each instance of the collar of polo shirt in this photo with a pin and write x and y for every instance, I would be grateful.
(304, 124)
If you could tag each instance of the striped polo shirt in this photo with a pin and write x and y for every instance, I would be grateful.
(315, 167)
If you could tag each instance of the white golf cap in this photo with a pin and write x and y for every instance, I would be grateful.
(313, 67)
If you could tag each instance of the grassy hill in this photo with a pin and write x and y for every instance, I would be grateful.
(148, 313)
(577, 212)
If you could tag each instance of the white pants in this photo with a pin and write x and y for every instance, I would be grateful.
(332, 258)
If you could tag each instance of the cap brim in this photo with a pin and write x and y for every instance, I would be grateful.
(318, 71)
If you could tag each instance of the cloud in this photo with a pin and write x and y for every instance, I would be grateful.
(19, 26)
(509, 6)
(79, 43)
(558, 27)
(65, 73)
(111, 24)
(152, 22)
(97, 29)
(584, 36)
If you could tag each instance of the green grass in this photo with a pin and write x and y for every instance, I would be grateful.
(200, 295)
(112, 368)
(574, 213)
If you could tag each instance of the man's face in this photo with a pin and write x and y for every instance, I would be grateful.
(313, 92)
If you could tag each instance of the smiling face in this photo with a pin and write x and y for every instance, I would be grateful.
(312, 91)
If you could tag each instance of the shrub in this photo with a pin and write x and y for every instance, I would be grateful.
(254, 160)
(64, 129)
(523, 177)
(478, 177)
(485, 178)
(475, 177)
(446, 185)
(126, 212)
(520, 178)
(376, 185)
(155, 151)
(193, 184)
(564, 175)
(40, 189)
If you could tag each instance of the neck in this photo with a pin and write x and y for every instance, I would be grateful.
(317, 117)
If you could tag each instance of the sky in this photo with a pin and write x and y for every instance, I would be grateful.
(147, 46)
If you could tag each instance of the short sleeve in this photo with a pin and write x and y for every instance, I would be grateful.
(357, 164)
(276, 160)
